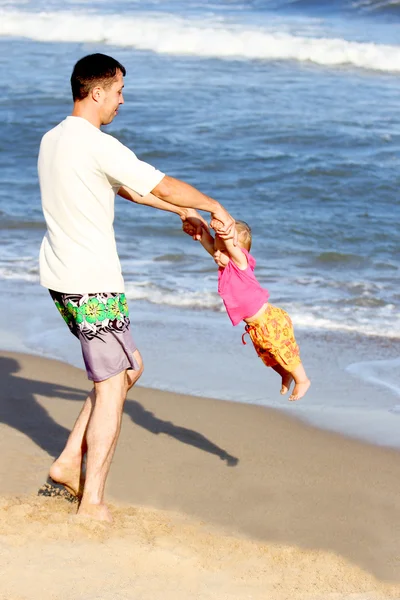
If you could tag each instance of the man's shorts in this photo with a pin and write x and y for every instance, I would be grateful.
(273, 339)
(101, 324)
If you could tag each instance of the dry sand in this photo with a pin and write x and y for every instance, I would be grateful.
(211, 500)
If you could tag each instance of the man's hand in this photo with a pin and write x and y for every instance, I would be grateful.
(185, 196)
(224, 224)
(193, 223)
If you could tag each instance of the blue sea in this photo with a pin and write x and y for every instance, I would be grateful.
(287, 112)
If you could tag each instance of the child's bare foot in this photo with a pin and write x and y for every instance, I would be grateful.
(286, 382)
(302, 383)
(300, 389)
(286, 378)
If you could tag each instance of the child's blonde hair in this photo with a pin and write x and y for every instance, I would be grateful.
(244, 234)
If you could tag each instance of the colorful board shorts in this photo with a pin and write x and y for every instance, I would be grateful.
(273, 339)
(101, 324)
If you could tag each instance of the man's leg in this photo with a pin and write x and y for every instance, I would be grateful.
(101, 438)
(67, 469)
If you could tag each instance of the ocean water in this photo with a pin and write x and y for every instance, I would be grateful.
(288, 112)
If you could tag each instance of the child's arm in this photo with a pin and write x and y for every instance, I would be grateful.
(206, 239)
(149, 200)
(235, 253)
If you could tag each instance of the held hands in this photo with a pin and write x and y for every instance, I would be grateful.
(193, 223)
(224, 225)
(205, 239)
(190, 229)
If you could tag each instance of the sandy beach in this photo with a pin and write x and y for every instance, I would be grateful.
(287, 114)
(210, 499)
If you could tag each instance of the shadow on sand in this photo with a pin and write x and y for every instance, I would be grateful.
(20, 410)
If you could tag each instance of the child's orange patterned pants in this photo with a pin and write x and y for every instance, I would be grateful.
(273, 339)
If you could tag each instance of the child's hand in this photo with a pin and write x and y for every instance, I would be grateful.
(198, 232)
(189, 229)
(199, 224)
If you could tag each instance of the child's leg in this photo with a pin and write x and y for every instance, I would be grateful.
(302, 383)
(274, 341)
(286, 378)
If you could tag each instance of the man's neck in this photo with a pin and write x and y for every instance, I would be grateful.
(85, 112)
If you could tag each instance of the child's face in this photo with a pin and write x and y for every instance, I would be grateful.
(221, 256)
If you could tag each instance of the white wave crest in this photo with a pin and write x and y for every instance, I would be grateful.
(380, 327)
(19, 272)
(386, 323)
(172, 35)
(180, 298)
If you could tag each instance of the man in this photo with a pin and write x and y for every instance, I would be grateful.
(81, 169)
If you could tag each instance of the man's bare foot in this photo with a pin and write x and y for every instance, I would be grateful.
(68, 476)
(300, 389)
(97, 512)
(286, 382)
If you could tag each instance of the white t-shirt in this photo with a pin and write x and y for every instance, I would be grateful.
(80, 171)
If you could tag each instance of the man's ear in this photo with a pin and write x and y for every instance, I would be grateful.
(97, 93)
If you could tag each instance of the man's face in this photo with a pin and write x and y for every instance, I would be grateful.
(111, 98)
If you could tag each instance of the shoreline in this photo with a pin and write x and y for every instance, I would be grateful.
(304, 502)
(339, 364)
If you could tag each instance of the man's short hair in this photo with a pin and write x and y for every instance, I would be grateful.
(244, 234)
(92, 70)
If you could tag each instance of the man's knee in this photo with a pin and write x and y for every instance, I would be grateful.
(133, 376)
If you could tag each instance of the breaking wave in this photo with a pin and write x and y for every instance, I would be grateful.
(166, 34)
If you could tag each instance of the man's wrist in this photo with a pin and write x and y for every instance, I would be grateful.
(181, 212)
(215, 206)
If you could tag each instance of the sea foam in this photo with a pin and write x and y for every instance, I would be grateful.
(166, 34)
(385, 373)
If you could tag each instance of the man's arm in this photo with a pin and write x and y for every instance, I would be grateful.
(123, 166)
(186, 214)
(182, 194)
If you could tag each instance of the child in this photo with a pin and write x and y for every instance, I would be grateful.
(270, 328)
